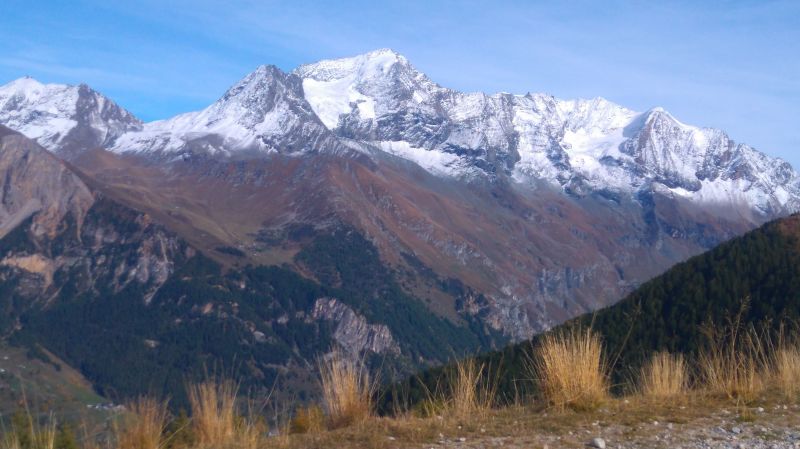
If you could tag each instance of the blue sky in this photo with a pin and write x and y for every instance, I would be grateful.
(728, 64)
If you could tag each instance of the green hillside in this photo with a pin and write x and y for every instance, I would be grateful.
(755, 276)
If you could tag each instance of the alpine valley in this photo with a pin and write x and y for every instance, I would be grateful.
(350, 202)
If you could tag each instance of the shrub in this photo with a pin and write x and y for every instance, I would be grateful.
(570, 369)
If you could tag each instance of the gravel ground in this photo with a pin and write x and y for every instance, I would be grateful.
(776, 428)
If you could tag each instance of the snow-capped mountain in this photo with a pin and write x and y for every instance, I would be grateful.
(264, 112)
(63, 118)
(542, 208)
(379, 98)
(580, 145)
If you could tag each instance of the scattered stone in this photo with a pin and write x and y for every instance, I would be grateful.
(736, 430)
(598, 443)
(462, 439)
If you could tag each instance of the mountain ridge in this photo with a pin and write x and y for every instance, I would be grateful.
(380, 98)
(541, 207)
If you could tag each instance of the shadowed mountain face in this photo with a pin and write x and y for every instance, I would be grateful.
(489, 217)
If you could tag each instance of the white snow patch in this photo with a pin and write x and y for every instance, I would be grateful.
(330, 99)
(436, 162)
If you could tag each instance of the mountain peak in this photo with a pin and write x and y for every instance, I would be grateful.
(263, 82)
(25, 83)
(374, 64)
(371, 84)
(62, 118)
(658, 113)
(32, 89)
(265, 112)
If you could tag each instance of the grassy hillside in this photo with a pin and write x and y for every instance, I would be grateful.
(46, 385)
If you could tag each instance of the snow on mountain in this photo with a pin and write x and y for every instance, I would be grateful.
(579, 145)
(62, 117)
(380, 99)
(264, 112)
(370, 85)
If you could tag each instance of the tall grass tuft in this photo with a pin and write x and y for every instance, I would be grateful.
(734, 363)
(570, 369)
(471, 390)
(664, 376)
(215, 418)
(787, 370)
(143, 426)
(27, 433)
(309, 419)
(347, 389)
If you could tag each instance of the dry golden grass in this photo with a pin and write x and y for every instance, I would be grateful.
(347, 389)
(32, 435)
(735, 364)
(471, 392)
(215, 419)
(665, 376)
(787, 371)
(570, 369)
(143, 426)
(213, 405)
(309, 419)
